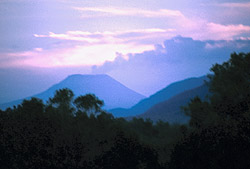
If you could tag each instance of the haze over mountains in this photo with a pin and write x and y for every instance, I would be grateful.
(104, 87)
(162, 95)
(171, 110)
(124, 102)
(175, 59)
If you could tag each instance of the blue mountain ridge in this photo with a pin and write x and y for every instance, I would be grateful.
(103, 86)
(171, 110)
(160, 96)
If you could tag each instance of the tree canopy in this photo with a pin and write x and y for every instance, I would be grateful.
(89, 104)
(75, 133)
(221, 124)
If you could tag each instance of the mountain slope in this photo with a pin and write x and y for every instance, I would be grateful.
(170, 110)
(104, 87)
(163, 95)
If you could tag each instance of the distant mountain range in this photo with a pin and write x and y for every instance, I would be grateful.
(171, 109)
(163, 95)
(164, 105)
(104, 87)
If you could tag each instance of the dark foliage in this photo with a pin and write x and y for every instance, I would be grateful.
(128, 153)
(213, 148)
(58, 135)
(220, 136)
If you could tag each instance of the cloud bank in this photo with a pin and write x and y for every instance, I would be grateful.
(76, 33)
(76, 48)
(119, 37)
(177, 59)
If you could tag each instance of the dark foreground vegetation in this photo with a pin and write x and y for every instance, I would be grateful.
(68, 133)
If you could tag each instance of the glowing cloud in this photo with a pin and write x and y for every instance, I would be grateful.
(130, 36)
(86, 47)
(98, 47)
(84, 55)
(116, 11)
(201, 29)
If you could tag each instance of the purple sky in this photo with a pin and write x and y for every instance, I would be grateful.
(49, 33)
(76, 36)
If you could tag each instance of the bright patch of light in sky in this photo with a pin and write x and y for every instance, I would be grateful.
(143, 44)
(79, 55)
(71, 33)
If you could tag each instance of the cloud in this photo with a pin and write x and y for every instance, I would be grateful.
(137, 36)
(84, 47)
(80, 55)
(227, 31)
(179, 23)
(75, 48)
(71, 35)
(178, 58)
(142, 67)
(201, 29)
(196, 28)
(234, 5)
(118, 11)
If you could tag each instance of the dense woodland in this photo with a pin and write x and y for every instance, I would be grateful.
(75, 133)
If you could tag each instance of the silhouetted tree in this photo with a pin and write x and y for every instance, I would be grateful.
(62, 100)
(230, 86)
(34, 105)
(230, 94)
(221, 138)
(89, 104)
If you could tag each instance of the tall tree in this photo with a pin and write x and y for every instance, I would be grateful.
(222, 123)
(230, 86)
(62, 100)
(89, 104)
(230, 93)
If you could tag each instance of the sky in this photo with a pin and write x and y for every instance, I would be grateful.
(145, 44)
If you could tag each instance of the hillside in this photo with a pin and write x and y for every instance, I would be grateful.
(104, 87)
(163, 95)
(170, 110)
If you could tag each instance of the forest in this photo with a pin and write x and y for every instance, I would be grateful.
(76, 133)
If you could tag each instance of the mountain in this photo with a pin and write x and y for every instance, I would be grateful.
(163, 95)
(104, 87)
(170, 110)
